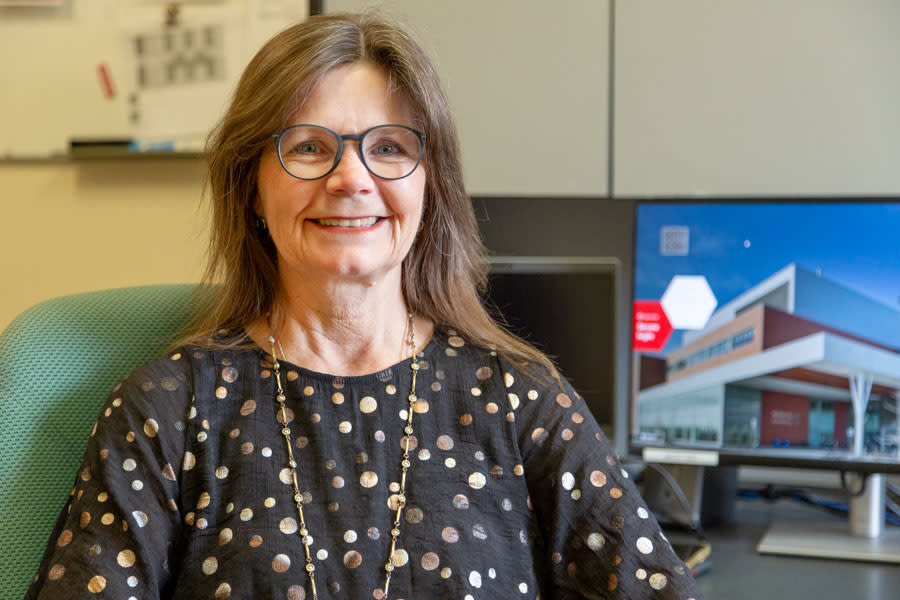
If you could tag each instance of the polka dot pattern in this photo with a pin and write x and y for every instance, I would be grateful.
(196, 438)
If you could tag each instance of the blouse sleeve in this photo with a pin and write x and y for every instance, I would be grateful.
(599, 539)
(120, 525)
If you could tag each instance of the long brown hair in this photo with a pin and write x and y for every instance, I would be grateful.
(444, 272)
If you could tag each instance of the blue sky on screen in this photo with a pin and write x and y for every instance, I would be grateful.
(738, 244)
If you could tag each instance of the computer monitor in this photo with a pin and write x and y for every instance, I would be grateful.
(767, 333)
(565, 307)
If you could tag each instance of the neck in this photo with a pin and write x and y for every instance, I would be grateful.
(342, 329)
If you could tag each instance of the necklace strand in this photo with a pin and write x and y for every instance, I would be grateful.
(398, 500)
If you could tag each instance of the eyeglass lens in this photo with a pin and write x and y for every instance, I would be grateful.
(388, 151)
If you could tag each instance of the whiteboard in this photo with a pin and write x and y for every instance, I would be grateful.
(114, 71)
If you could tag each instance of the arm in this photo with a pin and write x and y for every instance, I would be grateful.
(119, 528)
(599, 539)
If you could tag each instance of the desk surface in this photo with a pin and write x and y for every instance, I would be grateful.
(739, 572)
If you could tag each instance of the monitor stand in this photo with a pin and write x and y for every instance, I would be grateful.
(864, 538)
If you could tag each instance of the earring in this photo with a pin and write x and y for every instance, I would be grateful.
(261, 223)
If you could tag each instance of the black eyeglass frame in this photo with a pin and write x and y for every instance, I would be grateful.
(358, 138)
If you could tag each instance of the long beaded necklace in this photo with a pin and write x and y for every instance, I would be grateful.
(405, 463)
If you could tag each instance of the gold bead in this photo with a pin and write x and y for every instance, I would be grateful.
(389, 568)
(310, 568)
(414, 366)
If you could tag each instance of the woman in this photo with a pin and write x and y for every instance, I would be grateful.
(346, 421)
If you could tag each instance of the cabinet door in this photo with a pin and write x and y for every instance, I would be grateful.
(528, 85)
(762, 97)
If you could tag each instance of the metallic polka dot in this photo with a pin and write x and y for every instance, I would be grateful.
(56, 572)
(210, 565)
(281, 563)
(539, 435)
(414, 515)
(221, 392)
(97, 584)
(229, 374)
(568, 481)
(523, 588)
(518, 470)
(424, 454)
(435, 386)
(221, 472)
(296, 592)
(657, 581)
(566, 434)
(308, 391)
(379, 436)
(496, 471)
(430, 561)
(475, 579)
(322, 554)
(450, 535)
(225, 536)
(269, 502)
(248, 407)
(330, 464)
(373, 533)
(168, 472)
(128, 464)
(345, 427)
(201, 437)
(368, 405)
(615, 493)
(399, 558)
(508, 379)
(189, 462)
(107, 519)
(465, 420)
(577, 418)
(618, 521)
(513, 400)
(456, 341)
(484, 373)
(140, 518)
(151, 428)
(532, 395)
(475, 391)
(479, 532)
(246, 514)
(292, 375)
(644, 545)
(288, 525)
(256, 541)
(460, 502)
(390, 389)
(446, 572)
(223, 591)
(444, 442)
(564, 400)
(285, 476)
(421, 407)
(203, 500)
(576, 494)
(267, 452)
(337, 398)
(642, 512)
(596, 541)
(125, 558)
(612, 583)
(491, 408)
(368, 479)
(598, 478)
(450, 462)
(85, 519)
(352, 559)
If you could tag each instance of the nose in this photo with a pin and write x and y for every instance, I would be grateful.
(350, 175)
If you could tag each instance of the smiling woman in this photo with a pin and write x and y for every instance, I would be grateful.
(345, 419)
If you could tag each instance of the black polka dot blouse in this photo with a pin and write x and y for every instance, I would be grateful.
(511, 491)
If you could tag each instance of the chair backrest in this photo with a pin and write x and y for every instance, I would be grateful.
(58, 362)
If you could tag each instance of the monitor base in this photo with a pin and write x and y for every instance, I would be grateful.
(830, 540)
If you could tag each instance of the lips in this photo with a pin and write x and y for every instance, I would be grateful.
(362, 222)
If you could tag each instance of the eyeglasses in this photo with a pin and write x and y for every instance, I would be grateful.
(312, 151)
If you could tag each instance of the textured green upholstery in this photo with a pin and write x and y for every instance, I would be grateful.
(58, 361)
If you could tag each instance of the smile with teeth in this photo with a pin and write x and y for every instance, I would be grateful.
(364, 222)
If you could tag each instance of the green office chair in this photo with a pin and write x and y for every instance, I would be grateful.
(58, 361)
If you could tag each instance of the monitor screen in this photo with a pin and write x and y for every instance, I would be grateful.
(767, 332)
(565, 307)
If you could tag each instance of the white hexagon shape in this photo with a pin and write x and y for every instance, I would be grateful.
(688, 301)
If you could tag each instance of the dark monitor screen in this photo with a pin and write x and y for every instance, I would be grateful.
(565, 307)
(767, 332)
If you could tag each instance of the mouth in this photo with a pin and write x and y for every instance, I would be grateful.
(363, 222)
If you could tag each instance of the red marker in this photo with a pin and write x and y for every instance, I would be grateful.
(106, 84)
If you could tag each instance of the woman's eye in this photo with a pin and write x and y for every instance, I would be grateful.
(307, 148)
(387, 149)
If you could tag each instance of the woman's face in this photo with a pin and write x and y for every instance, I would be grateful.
(349, 224)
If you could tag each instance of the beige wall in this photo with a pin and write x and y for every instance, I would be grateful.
(77, 226)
